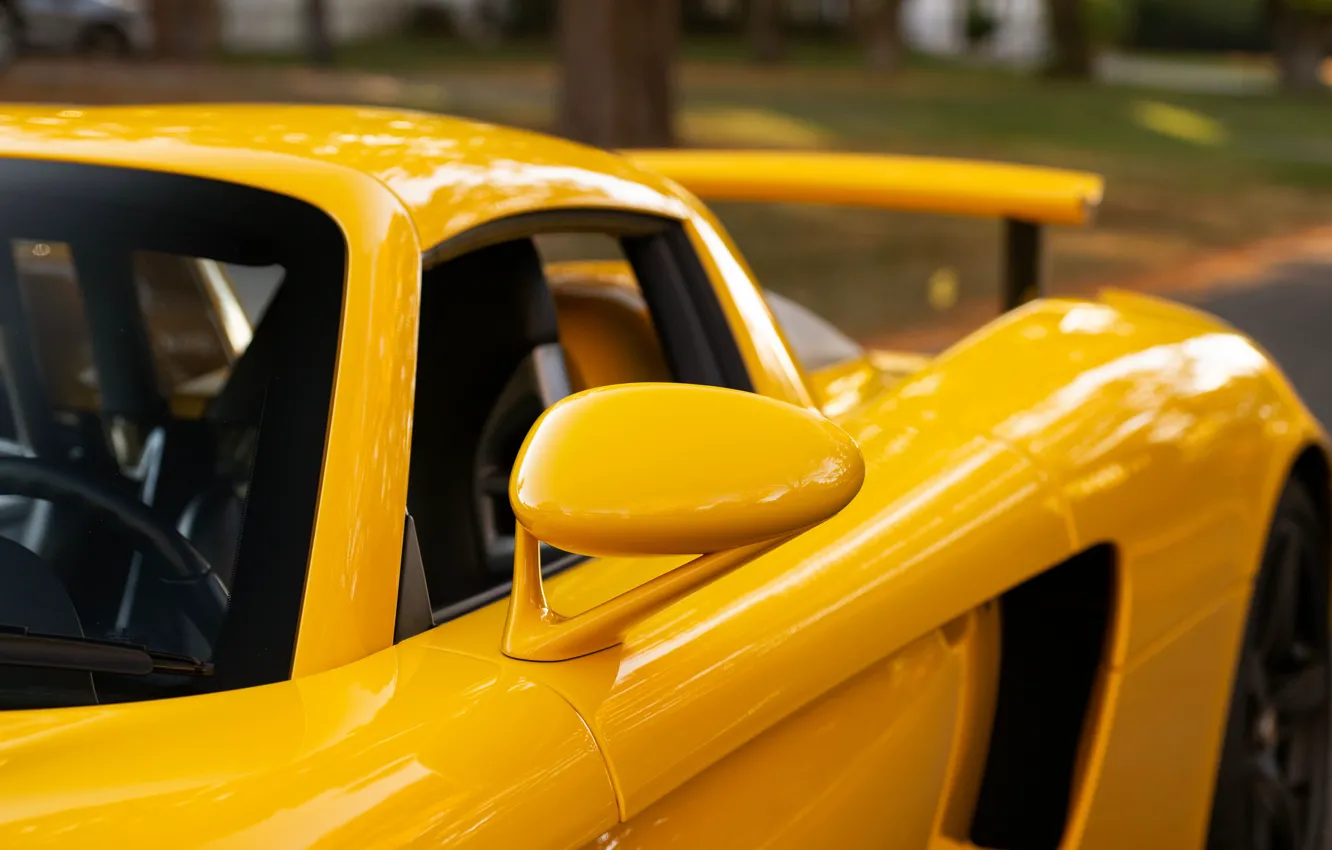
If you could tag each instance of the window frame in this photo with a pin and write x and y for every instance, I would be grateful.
(187, 215)
(684, 307)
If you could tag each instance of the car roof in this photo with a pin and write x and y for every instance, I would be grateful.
(450, 173)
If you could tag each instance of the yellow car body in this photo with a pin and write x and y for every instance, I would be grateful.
(835, 690)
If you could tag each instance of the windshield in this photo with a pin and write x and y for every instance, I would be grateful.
(159, 460)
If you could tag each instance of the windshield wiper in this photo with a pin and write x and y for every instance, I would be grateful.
(22, 648)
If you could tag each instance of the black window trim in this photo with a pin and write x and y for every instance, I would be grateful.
(227, 221)
(681, 302)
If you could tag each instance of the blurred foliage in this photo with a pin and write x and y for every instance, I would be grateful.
(532, 17)
(981, 23)
(1136, 24)
(1109, 22)
(703, 18)
(1200, 24)
(1315, 7)
(537, 18)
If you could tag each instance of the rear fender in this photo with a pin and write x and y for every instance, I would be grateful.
(1164, 432)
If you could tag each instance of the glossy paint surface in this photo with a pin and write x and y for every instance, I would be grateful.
(768, 357)
(534, 631)
(927, 539)
(693, 685)
(394, 751)
(450, 173)
(810, 780)
(909, 183)
(683, 469)
(858, 656)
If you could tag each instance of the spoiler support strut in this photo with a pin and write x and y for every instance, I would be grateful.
(1023, 279)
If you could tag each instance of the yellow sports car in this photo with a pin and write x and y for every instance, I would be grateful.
(375, 479)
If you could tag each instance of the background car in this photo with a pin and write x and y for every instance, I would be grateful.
(477, 21)
(104, 27)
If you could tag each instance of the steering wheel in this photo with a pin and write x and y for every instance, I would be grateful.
(201, 593)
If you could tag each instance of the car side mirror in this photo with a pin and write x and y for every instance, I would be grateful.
(663, 469)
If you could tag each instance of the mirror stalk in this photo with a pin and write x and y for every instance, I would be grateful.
(534, 632)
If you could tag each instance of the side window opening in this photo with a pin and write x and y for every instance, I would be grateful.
(605, 327)
(142, 426)
(155, 492)
(816, 342)
(507, 330)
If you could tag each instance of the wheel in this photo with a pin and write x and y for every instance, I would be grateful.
(105, 42)
(1272, 784)
(10, 36)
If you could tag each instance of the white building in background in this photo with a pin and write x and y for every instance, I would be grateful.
(277, 26)
(936, 27)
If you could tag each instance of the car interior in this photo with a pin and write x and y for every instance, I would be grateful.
(99, 472)
(489, 363)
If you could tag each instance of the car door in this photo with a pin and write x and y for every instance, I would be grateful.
(824, 693)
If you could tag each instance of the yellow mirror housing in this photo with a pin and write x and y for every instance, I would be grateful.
(663, 469)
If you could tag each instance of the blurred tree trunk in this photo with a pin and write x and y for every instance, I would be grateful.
(318, 44)
(1070, 42)
(884, 36)
(1301, 33)
(187, 29)
(879, 23)
(766, 44)
(617, 84)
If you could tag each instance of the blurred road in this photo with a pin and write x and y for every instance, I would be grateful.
(1290, 315)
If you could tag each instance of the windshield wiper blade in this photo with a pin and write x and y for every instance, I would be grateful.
(22, 648)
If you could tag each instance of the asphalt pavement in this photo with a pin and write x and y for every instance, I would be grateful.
(1289, 313)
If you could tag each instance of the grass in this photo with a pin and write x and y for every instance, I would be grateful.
(1187, 173)
(1171, 195)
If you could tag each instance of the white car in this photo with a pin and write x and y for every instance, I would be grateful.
(114, 27)
(479, 21)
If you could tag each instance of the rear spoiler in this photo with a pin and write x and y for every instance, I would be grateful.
(1025, 197)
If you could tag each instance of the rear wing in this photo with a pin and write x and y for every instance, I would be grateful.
(1026, 198)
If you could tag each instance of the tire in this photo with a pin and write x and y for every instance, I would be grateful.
(105, 42)
(11, 36)
(1272, 784)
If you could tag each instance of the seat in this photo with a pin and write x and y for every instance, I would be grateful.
(605, 327)
(489, 362)
(212, 517)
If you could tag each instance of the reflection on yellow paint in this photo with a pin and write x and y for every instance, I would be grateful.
(943, 288)
(1179, 123)
(752, 127)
